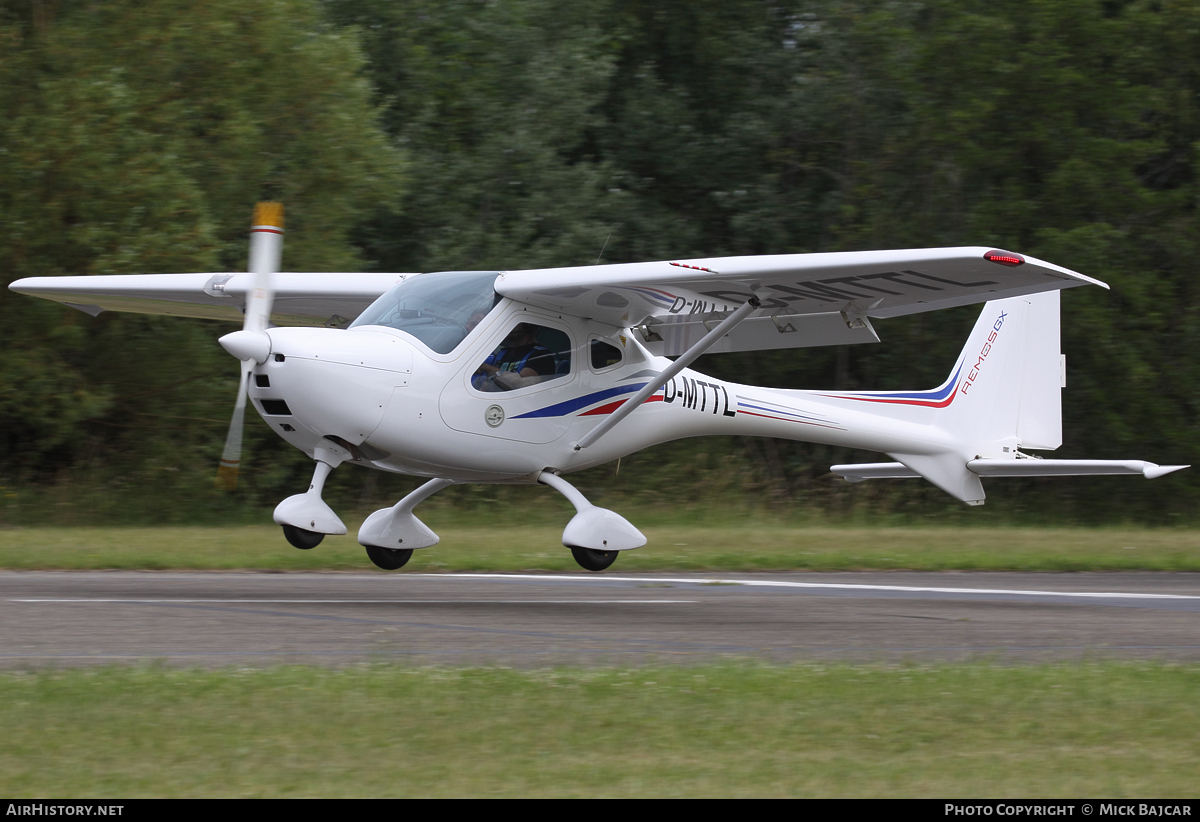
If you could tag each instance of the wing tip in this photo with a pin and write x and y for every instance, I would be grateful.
(1152, 471)
(25, 285)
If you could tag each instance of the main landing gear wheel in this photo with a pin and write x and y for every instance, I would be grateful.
(592, 560)
(302, 539)
(389, 559)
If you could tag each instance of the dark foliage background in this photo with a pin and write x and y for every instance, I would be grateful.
(512, 133)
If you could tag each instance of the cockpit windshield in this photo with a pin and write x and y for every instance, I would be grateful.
(438, 309)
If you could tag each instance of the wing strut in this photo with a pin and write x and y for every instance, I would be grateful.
(685, 359)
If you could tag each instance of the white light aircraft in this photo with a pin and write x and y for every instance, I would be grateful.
(523, 376)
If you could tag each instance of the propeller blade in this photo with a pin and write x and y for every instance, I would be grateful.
(231, 457)
(251, 344)
(266, 248)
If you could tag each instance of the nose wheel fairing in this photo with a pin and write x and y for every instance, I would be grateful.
(308, 511)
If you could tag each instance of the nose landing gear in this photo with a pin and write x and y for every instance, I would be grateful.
(306, 518)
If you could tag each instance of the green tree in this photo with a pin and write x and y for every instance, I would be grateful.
(1065, 130)
(493, 104)
(136, 138)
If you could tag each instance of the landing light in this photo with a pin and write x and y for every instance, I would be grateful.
(1004, 258)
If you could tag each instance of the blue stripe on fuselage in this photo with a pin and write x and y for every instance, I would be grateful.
(570, 406)
(935, 394)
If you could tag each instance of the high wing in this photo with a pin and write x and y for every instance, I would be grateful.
(328, 299)
(807, 299)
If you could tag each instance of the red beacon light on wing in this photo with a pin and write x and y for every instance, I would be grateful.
(1004, 258)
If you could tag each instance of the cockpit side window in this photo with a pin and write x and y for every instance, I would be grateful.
(529, 354)
(604, 354)
(439, 309)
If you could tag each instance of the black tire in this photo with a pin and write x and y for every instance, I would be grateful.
(592, 560)
(389, 559)
(304, 540)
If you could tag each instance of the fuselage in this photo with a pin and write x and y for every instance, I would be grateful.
(385, 400)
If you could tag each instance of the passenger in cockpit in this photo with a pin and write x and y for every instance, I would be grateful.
(474, 321)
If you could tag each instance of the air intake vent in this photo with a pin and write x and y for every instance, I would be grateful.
(276, 408)
(262, 380)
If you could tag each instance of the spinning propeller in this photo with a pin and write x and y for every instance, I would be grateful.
(251, 345)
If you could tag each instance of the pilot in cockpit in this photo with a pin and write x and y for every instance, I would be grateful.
(518, 361)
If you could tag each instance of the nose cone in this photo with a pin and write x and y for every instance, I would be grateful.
(247, 345)
(332, 382)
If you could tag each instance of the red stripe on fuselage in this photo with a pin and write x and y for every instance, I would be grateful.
(613, 406)
(923, 403)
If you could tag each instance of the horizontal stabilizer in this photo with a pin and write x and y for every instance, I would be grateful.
(1015, 468)
(874, 470)
(1068, 468)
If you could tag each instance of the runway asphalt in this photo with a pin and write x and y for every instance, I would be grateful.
(82, 618)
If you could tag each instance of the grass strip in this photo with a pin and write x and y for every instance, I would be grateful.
(1105, 729)
(671, 548)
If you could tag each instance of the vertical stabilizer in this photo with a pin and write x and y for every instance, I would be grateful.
(1009, 380)
(1006, 394)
